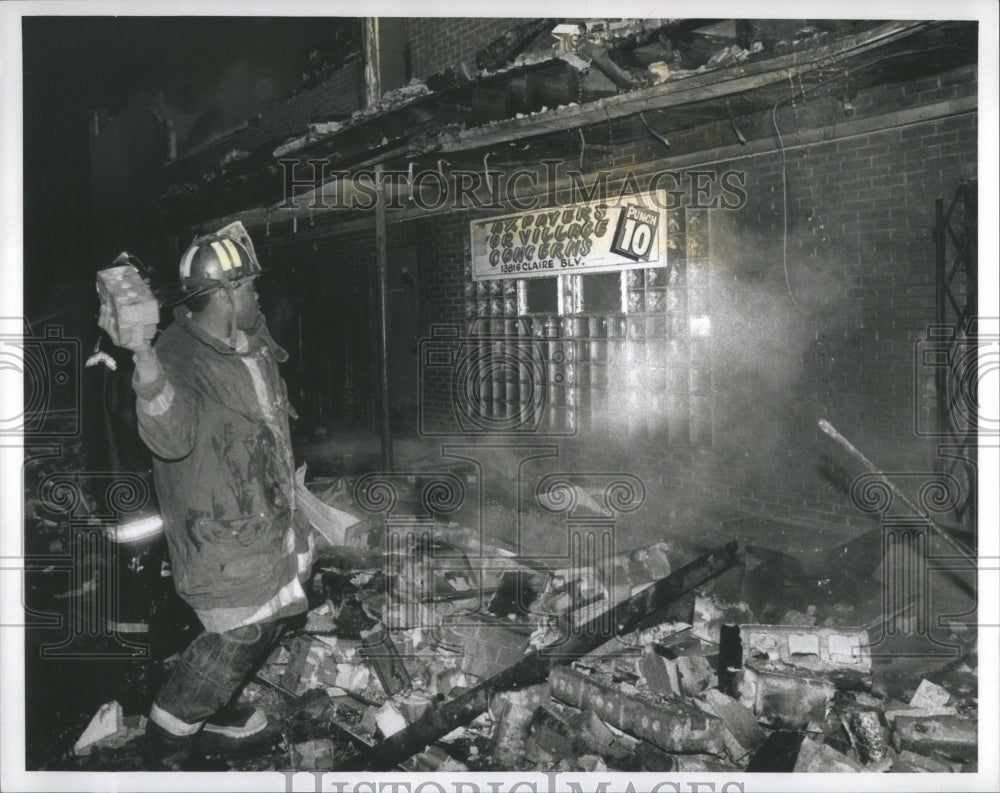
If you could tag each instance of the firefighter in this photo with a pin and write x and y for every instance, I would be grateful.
(213, 410)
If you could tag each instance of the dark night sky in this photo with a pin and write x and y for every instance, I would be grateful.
(73, 65)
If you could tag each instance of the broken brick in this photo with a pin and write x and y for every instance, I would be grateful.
(629, 572)
(314, 755)
(514, 713)
(694, 673)
(660, 674)
(108, 729)
(786, 699)
(389, 718)
(378, 649)
(685, 675)
(552, 734)
(681, 643)
(930, 695)
(869, 736)
(738, 718)
(814, 649)
(895, 708)
(487, 646)
(815, 757)
(307, 656)
(413, 705)
(434, 758)
(669, 724)
(701, 763)
(912, 763)
(952, 736)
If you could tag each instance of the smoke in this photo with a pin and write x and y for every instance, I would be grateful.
(740, 376)
(767, 315)
(223, 100)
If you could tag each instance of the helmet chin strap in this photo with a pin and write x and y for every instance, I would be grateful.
(228, 286)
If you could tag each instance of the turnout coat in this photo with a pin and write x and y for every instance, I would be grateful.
(216, 420)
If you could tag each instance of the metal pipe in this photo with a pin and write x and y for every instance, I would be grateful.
(372, 95)
(966, 553)
(382, 267)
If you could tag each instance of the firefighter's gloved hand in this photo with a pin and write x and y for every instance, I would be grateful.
(135, 337)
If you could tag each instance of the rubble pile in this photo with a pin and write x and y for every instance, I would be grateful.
(722, 678)
(714, 690)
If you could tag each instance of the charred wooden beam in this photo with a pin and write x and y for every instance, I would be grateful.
(534, 668)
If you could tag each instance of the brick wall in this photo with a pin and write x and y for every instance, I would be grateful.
(326, 283)
(858, 261)
(439, 42)
(860, 265)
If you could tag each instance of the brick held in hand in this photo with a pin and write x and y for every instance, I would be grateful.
(129, 301)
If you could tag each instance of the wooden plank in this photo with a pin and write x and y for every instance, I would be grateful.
(257, 217)
(700, 88)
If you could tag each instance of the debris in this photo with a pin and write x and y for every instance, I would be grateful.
(671, 724)
(930, 695)
(552, 734)
(730, 661)
(659, 673)
(869, 736)
(318, 621)
(738, 718)
(954, 737)
(694, 673)
(307, 657)
(377, 648)
(630, 572)
(315, 755)
(233, 155)
(414, 704)
(894, 709)
(434, 758)
(514, 711)
(682, 642)
(598, 737)
(389, 719)
(488, 646)
(534, 667)
(660, 71)
(912, 763)
(777, 754)
(815, 649)
(816, 757)
(786, 699)
(793, 617)
(710, 615)
(316, 704)
(108, 729)
(592, 764)
(728, 56)
(697, 763)
(346, 677)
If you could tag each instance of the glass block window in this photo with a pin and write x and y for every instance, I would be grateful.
(627, 351)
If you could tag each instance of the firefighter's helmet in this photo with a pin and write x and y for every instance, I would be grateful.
(221, 259)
